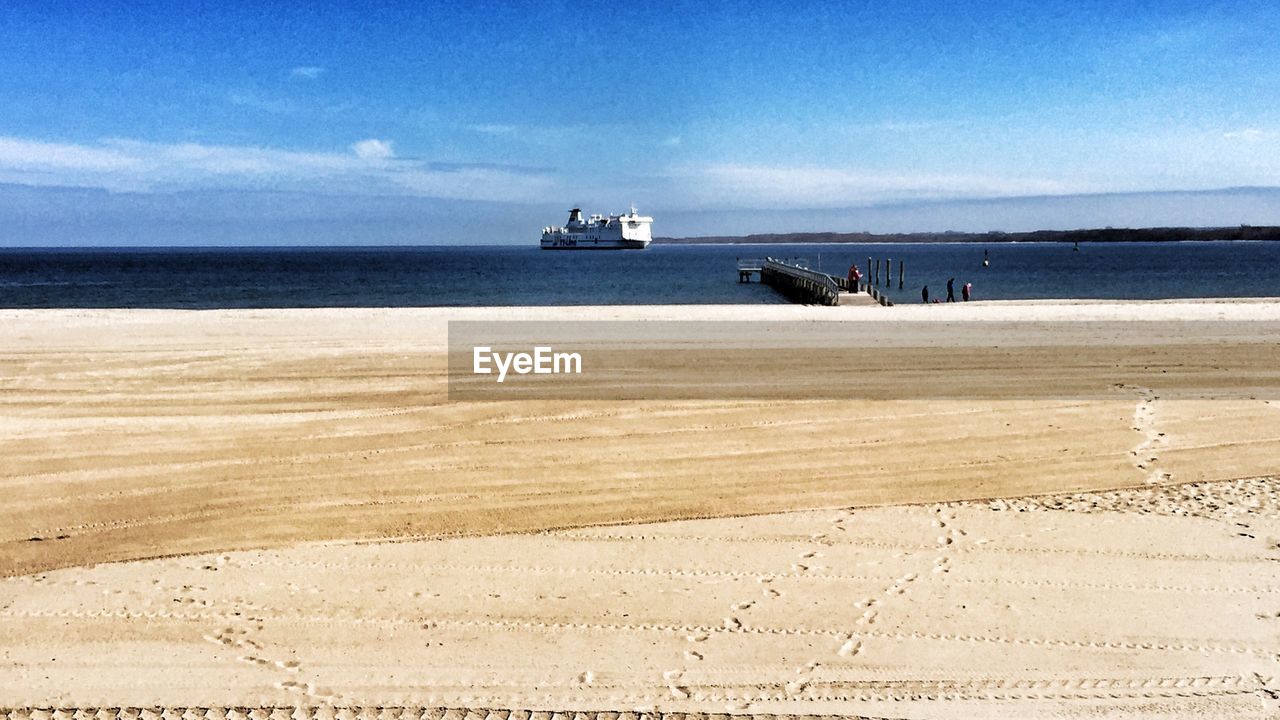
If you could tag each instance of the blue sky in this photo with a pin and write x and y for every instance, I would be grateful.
(481, 122)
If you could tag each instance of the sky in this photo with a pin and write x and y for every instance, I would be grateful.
(433, 122)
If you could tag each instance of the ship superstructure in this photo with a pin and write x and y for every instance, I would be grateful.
(598, 232)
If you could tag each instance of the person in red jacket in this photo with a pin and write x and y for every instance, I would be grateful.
(967, 291)
(855, 276)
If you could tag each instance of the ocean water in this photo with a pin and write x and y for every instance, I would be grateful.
(679, 274)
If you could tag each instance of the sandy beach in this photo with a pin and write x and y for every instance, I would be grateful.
(1158, 602)
(282, 508)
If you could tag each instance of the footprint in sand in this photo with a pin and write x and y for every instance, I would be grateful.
(1145, 453)
(672, 677)
(795, 687)
(1267, 693)
(307, 689)
(852, 646)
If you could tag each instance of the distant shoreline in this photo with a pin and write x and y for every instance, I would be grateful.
(1172, 234)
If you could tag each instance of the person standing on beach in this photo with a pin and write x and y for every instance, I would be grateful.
(951, 290)
(924, 294)
(966, 291)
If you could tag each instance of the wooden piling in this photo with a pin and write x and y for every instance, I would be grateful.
(902, 273)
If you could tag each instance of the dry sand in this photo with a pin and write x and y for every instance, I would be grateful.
(211, 436)
(1162, 602)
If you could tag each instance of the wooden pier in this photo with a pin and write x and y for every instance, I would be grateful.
(754, 266)
(800, 284)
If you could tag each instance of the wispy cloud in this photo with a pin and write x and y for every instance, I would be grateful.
(370, 167)
(33, 155)
(373, 149)
(765, 186)
(306, 72)
(1247, 134)
(673, 141)
(492, 129)
(563, 136)
(373, 166)
(272, 105)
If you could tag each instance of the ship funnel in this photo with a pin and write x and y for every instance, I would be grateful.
(575, 216)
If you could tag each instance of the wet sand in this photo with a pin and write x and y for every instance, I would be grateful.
(135, 434)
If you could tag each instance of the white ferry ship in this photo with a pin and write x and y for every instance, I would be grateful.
(615, 232)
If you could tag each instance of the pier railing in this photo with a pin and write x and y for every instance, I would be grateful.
(747, 266)
(754, 264)
(800, 282)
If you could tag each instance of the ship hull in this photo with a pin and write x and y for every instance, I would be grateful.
(588, 245)
(614, 232)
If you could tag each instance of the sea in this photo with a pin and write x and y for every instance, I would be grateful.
(285, 277)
